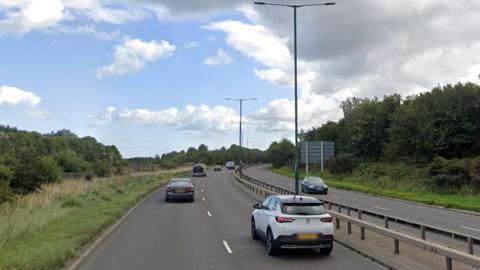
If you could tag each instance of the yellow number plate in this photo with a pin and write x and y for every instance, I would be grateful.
(180, 191)
(307, 236)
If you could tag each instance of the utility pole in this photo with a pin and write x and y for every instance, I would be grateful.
(240, 100)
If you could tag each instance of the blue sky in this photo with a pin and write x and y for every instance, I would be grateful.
(151, 76)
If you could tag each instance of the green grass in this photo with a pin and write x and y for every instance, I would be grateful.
(458, 201)
(46, 229)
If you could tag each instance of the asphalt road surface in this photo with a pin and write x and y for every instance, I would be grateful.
(450, 220)
(211, 233)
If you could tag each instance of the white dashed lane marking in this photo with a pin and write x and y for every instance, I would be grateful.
(209, 214)
(227, 247)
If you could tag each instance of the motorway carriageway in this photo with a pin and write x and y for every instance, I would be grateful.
(211, 233)
(433, 216)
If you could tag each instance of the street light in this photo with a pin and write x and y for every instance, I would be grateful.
(297, 149)
(240, 100)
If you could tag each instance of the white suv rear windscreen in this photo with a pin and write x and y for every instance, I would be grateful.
(303, 209)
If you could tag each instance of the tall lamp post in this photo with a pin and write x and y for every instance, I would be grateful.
(240, 100)
(297, 149)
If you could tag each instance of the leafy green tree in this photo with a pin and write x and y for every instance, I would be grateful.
(69, 161)
(202, 148)
(327, 132)
(281, 153)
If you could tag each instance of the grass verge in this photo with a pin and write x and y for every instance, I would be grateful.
(45, 229)
(458, 201)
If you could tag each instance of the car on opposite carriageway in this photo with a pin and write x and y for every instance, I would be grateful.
(292, 222)
(314, 184)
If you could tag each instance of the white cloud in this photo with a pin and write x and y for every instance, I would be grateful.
(14, 96)
(134, 54)
(255, 41)
(23, 16)
(279, 114)
(26, 16)
(266, 48)
(192, 45)
(197, 120)
(103, 119)
(221, 58)
(115, 12)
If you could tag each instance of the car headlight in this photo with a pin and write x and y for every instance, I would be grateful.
(310, 186)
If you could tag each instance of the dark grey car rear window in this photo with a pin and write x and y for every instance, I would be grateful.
(181, 183)
(303, 209)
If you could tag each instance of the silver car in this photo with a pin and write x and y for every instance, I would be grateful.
(180, 188)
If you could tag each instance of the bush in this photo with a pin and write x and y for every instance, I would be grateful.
(69, 161)
(475, 174)
(5, 191)
(102, 169)
(344, 163)
(34, 171)
(88, 177)
(448, 176)
(48, 170)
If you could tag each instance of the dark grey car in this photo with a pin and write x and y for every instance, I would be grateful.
(180, 189)
(314, 184)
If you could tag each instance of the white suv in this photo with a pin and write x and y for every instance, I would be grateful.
(292, 222)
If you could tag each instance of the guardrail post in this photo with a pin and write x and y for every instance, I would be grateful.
(448, 261)
(470, 245)
(349, 228)
(329, 206)
(386, 221)
(359, 213)
(339, 208)
(422, 228)
(337, 223)
(362, 233)
(396, 246)
(348, 211)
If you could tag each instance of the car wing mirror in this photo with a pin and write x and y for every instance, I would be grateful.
(257, 206)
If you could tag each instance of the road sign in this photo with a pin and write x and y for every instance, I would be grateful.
(317, 152)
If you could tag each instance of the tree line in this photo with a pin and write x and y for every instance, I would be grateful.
(279, 153)
(30, 159)
(439, 130)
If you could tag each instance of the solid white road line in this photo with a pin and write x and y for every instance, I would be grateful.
(227, 247)
(381, 208)
(468, 228)
(209, 214)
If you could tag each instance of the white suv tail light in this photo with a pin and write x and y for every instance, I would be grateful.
(284, 219)
(326, 219)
